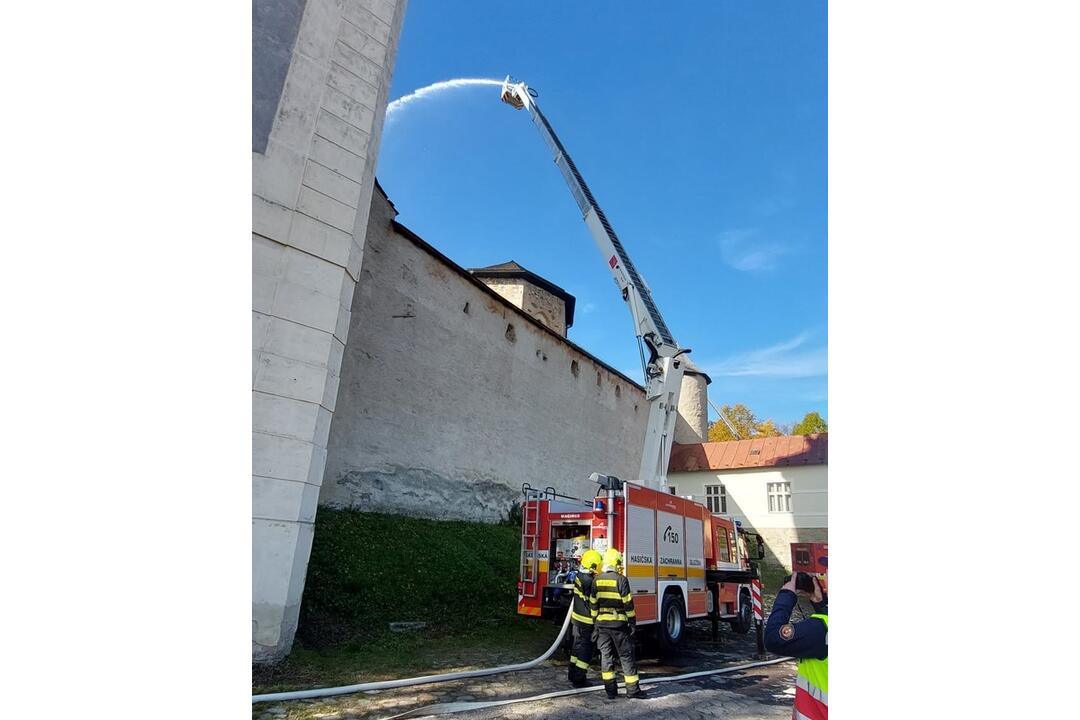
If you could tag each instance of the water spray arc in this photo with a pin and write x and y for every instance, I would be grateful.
(435, 89)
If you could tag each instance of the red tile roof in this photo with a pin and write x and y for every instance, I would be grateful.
(785, 450)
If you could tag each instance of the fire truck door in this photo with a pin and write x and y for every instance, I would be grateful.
(640, 555)
(695, 554)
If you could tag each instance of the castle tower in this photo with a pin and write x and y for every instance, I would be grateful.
(537, 297)
(692, 424)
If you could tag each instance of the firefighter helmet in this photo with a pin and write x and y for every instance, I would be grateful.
(613, 558)
(591, 560)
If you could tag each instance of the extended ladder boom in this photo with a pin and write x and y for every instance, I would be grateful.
(663, 369)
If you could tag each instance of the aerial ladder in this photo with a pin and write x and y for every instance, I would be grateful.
(664, 365)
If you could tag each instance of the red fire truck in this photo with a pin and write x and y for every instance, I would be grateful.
(683, 562)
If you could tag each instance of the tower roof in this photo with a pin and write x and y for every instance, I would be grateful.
(511, 270)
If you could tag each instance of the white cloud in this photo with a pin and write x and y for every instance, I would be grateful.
(588, 308)
(745, 251)
(789, 359)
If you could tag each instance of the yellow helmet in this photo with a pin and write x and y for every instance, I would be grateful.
(613, 558)
(591, 560)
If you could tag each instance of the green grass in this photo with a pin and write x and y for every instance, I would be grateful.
(368, 569)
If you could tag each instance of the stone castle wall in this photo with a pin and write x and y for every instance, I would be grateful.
(321, 78)
(450, 398)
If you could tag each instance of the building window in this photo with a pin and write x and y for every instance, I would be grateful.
(671, 489)
(779, 497)
(716, 498)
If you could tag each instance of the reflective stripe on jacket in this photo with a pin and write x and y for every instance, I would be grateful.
(612, 601)
(812, 685)
(580, 611)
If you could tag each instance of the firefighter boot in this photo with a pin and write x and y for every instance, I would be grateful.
(576, 676)
(612, 689)
(633, 690)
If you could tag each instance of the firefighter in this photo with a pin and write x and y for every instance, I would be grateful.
(613, 609)
(581, 618)
(807, 640)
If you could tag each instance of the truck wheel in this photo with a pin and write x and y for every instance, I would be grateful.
(672, 625)
(745, 620)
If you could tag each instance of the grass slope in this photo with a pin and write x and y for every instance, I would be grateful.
(368, 570)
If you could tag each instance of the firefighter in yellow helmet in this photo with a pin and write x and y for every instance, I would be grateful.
(581, 618)
(612, 604)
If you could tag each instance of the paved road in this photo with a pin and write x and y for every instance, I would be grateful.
(754, 694)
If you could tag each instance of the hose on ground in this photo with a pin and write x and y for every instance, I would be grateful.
(454, 707)
(407, 682)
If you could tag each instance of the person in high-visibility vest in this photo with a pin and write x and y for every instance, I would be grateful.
(613, 604)
(581, 618)
(807, 640)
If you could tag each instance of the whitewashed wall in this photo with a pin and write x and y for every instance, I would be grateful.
(312, 178)
(441, 414)
(748, 501)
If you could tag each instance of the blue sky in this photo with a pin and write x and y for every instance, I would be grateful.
(702, 134)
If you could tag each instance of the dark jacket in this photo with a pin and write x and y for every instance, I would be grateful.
(612, 602)
(582, 612)
(802, 639)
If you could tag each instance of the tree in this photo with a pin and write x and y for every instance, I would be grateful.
(810, 424)
(745, 422)
(768, 429)
(738, 415)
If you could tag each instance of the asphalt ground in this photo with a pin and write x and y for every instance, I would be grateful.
(760, 692)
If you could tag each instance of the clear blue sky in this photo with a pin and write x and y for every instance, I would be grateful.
(702, 134)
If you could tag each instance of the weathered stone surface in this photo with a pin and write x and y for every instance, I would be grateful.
(317, 116)
(450, 399)
(423, 493)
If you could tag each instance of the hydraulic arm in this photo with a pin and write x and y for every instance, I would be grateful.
(663, 367)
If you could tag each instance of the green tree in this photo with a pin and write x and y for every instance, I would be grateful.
(745, 422)
(810, 424)
(738, 415)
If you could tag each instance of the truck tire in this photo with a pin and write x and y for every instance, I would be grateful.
(745, 620)
(672, 626)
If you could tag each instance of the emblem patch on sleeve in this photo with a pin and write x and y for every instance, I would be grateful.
(787, 631)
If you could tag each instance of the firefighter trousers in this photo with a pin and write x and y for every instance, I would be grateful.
(612, 642)
(581, 652)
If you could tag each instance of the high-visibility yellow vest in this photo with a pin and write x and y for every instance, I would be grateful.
(812, 684)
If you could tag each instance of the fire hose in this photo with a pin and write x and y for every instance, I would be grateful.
(446, 708)
(454, 707)
(408, 682)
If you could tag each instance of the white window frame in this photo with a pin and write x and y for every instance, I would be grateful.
(716, 492)
(779, 496)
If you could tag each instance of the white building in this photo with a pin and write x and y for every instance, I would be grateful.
(777, 486)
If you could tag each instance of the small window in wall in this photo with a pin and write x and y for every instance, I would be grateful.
(779, 497)
(716, 498)
(671, 489)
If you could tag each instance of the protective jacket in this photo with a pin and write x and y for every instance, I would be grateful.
(581, 612)
(807, 640)
(612, 602)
